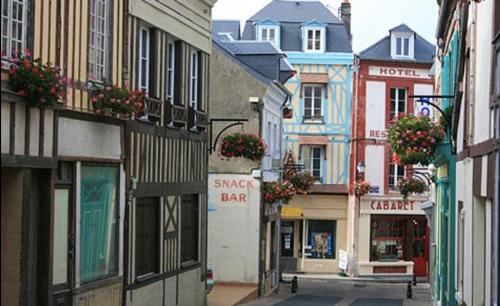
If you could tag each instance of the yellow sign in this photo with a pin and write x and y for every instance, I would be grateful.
(291, 212)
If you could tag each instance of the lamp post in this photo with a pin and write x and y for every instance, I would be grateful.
(360, 175)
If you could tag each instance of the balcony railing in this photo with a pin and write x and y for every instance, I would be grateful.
(152, 109)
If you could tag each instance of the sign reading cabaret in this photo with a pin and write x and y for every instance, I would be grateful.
(391, 206)
(399, 72)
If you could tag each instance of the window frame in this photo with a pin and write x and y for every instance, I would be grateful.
(396, 101)
(322, 39)
(322, 157)
(312, 117)
(24, 22)
(267, 28)
(395, 169)
(196, 241)
(170, 71)
(106, 51)
(194, 78)
(156, 248)
(407, 41)
(141, 60)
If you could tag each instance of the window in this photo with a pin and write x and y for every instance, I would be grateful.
(193, 80)
(147, 236)
(387, 237)
(269, 141)
(276, 141)
(269, 33)
(313, 98)
(189, 228)
(98, 222)
(170, 70)
(144, 59)
(314, 40)
(321, 238)
(396, 172)
(398, 101)
(312, 157)
(403, 46)
(14, 24)
(98, 39)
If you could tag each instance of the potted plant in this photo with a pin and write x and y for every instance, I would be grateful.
(408, 186)
(302, 181)
(41, 84)
(117, 102)
(279, 191)
(361, 188)
(249, 146)
(414, 139)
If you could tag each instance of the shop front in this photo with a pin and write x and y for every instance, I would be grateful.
(393, 237)
(313, 229)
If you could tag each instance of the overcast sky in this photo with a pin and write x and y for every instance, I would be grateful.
(371, 19)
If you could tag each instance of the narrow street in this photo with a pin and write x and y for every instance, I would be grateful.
(315, 292)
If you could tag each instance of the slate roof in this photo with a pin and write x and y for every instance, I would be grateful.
(291, 16)
(295, 11)
(251, 47)
(381, 50)
(226, 26)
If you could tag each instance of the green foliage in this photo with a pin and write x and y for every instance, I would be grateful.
(41, 84)
(249, 146)
(407, 186)
(413, 139)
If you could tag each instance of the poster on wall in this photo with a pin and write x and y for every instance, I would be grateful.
(321, 245)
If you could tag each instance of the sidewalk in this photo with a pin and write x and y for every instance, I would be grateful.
(231, 294)
(381, 279)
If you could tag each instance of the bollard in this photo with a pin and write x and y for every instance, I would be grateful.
(414, 279)
(295, 284)
(408, 291)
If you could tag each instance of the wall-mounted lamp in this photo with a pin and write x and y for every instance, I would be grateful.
(360, 167)
(431, 169)
(255, 103)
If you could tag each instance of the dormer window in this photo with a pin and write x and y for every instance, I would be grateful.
(269, 33)
(402, 45)
(313, 37)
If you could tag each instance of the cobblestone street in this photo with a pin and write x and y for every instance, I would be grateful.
(313, 292)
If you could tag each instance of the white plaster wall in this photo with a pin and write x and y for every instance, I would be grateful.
(20, 130)
(374, 161)
(170, 291)
(34, 126)
(89, 139)
(191, 289)
(233, 230)
(375, 106)
(483, 69)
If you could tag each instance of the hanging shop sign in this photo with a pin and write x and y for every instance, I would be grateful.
(291, 212)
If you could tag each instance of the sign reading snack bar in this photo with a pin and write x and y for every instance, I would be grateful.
(399, 72)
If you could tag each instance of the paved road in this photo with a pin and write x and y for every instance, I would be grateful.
(313, 292)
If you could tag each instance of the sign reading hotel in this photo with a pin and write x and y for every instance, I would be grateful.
(399, 72)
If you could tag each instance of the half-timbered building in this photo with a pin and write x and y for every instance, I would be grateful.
(167, 55)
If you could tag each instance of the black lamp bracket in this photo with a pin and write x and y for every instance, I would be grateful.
(213, 143)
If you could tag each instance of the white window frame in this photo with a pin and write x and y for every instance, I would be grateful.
(98, 70)
(313, 105)
(9, 19)
(407, 39)
(305, 39)
(170, 70)
(397, 100)
(143, 60)
(396, 176)
(194, 61)
(311, 148)
(267, 29)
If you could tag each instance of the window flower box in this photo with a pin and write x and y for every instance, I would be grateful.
(408, 186)
(360, 188)
(414, 139)
(301, 181)
(118, 102)
(244, 145)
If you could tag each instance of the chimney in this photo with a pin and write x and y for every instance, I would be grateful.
(345, 15)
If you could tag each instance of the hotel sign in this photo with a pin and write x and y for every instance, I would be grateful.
(399, 72)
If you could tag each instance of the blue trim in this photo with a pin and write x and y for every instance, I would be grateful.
(314, 23)
(267, 22)
(320, 58)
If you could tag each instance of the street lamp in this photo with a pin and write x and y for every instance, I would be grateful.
(360, 167)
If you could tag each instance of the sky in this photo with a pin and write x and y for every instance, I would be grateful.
(371, 19)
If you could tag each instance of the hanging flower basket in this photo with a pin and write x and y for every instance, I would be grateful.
(301, 181)
(117, 102)
(41, 84)
(244, 145)
(361, 188)
(408, 186)
(279, 191)
(414, 139)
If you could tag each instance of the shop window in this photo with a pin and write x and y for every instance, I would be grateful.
(287, 239)
(398, 101)
(98, 222)
(321, 239)
(189, 228)
(387, 239)
(147, 236)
